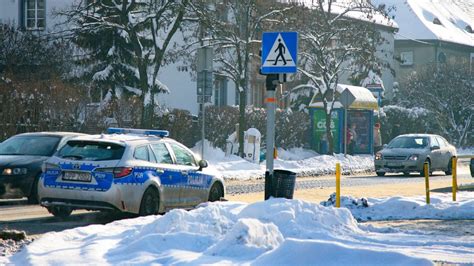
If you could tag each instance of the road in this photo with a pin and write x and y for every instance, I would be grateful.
(35, 220)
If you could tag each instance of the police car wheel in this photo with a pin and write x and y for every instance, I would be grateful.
(60, 212)
(216, 192)
(150, 202)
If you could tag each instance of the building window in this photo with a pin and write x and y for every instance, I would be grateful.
(406, 58)
(35, 14)
(220, 91)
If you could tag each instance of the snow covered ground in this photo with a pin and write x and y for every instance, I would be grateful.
(277, 231)
(303, 162)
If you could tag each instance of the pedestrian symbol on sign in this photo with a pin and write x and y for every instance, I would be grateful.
(281, 50)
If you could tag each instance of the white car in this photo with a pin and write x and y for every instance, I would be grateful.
(129, 170)
(408, 153)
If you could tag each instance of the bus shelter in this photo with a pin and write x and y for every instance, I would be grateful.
(360, 122)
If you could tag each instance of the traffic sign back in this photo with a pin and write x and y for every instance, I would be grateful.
(279, 52)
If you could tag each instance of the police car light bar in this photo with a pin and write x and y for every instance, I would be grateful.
(159, 133)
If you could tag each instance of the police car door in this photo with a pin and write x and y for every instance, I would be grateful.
(170, 176)
(195, 184)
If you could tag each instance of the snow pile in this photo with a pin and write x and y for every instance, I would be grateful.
(303, 162)
(441, 207)
(277, 231)
(295, 154)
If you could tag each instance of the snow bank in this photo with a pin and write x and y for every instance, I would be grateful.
(276, 231)
(441, 207)
(303, 162)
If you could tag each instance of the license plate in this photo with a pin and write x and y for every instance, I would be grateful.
(77, 176)
(393, 164)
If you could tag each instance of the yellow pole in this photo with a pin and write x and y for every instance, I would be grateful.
(338, 185)
(427, 181)
(454, 167)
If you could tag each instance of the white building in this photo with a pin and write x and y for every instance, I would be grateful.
(41, 15)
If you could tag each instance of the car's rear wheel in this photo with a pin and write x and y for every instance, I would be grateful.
(216, 192)
(449, 169)
(150, 204)
(406, 173)
(59, 211)
(380, 173)
(422, 172)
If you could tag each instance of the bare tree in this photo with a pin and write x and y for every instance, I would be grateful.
(337, 38)
(447, 92)
(234, 28)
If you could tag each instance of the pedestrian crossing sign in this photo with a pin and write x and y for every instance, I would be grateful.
(279, 52)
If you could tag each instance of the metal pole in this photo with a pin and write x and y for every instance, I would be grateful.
(426, 169)
(338, 185)
(270, 100)
(454, 170)
(345, 132)
(270, 137)
(203, 125)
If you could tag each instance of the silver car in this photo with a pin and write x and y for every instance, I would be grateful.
(128, 170)
(408, 153)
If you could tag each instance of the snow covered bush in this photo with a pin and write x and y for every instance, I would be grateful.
(396, 120)
(447, 91)
(291, 127)
(181, 125)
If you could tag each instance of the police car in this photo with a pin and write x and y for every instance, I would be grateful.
(129, 170)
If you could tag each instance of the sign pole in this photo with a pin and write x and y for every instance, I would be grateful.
(345, 132)
(270, 101)
(203, 130)
(279, 56)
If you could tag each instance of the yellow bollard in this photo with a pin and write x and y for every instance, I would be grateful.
(454, 166)
(427, 181)
(338, 185)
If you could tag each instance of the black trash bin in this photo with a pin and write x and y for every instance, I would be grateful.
(283, 184)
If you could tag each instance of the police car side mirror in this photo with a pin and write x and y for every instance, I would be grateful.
(202, 164)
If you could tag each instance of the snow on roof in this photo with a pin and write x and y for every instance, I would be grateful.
(341, 5)
(443, 20)
(364, 99)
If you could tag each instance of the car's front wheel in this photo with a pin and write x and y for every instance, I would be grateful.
(216, 192)
(380, 173)
(449, 169)
(33, 197)
(59, 211)
(422, 172)
(150, 204)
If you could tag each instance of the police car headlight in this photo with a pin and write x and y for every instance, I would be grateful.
(15, 171)
(378, 156)
(413, 157)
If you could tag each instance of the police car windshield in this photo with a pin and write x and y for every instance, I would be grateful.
(91, 151)
(29, 145)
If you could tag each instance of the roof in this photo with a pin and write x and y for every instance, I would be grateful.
(364, 99)
(416, 18)
(119, 138)
(341, 5)
(52, 133)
